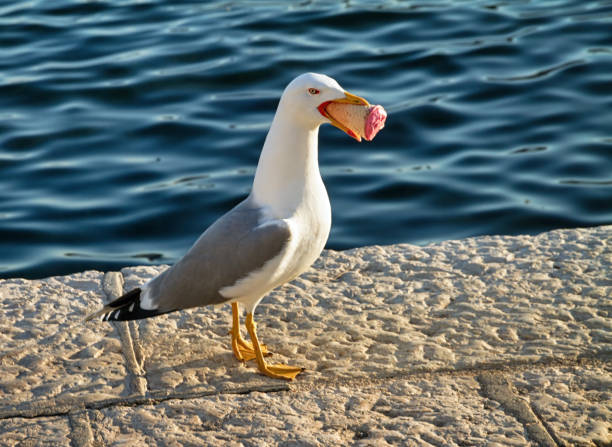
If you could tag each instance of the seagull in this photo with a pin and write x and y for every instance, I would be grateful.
(273, 235)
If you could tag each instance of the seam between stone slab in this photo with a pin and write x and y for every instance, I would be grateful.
(495, 386)
(80, 428)
(52, 408)
(55, 408)
(112, 284)
(583, 360)
(547, 426)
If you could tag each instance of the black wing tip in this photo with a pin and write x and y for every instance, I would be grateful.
(126, 299)
(131, 313)
(127, 307)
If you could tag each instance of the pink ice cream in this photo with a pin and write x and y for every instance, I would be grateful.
(375, 121)
(360, 120)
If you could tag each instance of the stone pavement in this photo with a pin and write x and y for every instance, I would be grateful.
(489, 341)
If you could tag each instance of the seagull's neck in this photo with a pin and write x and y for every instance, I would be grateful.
(288, 169)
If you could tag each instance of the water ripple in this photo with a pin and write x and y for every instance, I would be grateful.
(540, 73)
(127, 127)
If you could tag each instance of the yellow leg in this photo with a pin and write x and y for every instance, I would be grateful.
(275, 371)
(243, 350)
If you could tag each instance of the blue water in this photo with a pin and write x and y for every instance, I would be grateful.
(127, 127)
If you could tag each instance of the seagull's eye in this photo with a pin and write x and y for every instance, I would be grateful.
(313, 91)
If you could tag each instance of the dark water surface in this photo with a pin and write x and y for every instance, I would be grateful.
(127, 127)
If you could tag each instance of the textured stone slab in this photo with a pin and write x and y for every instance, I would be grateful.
(39, 432)
(47, 355)
(384, 311)
(491, 341)
(445, 411)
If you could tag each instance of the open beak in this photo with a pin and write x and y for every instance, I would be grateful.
(347, 99)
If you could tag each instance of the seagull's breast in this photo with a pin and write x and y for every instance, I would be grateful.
(310, 223)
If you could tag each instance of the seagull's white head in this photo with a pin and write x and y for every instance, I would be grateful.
(308, 96)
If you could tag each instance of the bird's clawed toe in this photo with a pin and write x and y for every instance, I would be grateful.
(281, 371)
(246, 351)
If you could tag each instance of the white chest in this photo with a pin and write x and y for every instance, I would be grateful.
(310, 223)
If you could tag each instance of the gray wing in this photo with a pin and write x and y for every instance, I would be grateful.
(230, 249)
